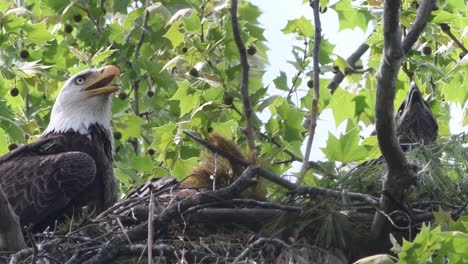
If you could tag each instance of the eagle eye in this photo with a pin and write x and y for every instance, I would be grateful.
(80, 80)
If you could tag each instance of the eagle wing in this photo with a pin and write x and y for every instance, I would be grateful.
(40, 180)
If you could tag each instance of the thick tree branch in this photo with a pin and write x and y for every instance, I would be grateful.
(244, 88)
(11, 236)
(314, 111)
(400, 174)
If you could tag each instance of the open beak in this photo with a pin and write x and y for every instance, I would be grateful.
(103, 85)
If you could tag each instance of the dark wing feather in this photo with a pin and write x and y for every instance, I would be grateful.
(41, 181)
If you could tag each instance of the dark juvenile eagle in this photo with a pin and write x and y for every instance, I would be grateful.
(70, 165)
(415, 122)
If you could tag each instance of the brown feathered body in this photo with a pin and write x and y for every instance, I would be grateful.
(59, 173)
(215, 171)
(415, 122)
(71, 164)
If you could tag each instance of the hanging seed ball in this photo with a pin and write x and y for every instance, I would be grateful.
(12, 146)
(150, 93)
(427, 50)
(123, 95)
(68, 28)
(77, 18)
(193, 72)
(184, 50)
(310, 83)
(117, 135)
(228, 99)
(151, 152)
(24, 54)
(251, 50)
(14, 92)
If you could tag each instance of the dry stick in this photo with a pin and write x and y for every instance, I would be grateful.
(113, 248)
(244, 88)
(150, 228)
(314, 113)
(310, 190)
(400, 173)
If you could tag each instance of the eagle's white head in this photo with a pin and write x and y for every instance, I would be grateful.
(84, 101)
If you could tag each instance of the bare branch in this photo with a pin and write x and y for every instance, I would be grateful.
(351, 60)
(315, 99)
(244, 88)
(315, 191)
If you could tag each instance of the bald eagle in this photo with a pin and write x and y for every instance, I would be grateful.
(415, 122)
(71, 164)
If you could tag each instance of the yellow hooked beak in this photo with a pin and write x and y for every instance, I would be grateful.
(102, 84)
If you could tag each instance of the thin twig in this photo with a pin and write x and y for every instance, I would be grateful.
(316, 82)
(299, 72)
(244, 88)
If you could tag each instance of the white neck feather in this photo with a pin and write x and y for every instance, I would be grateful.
(79, 116)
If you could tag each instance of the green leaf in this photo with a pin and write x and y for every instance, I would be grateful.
(101, 55)
(182, 167)
(301, 26)
(192, 23)
(130, 126)
(342, 105)
(441, 16)
(281, 82)
(12, 129)
(37, 33)
(227, 129)
(456, 90)
(141, 163)
(174, 35)
(346, 148)
(188, 98)
(292, 121)
(351, 16)
(163, 136)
